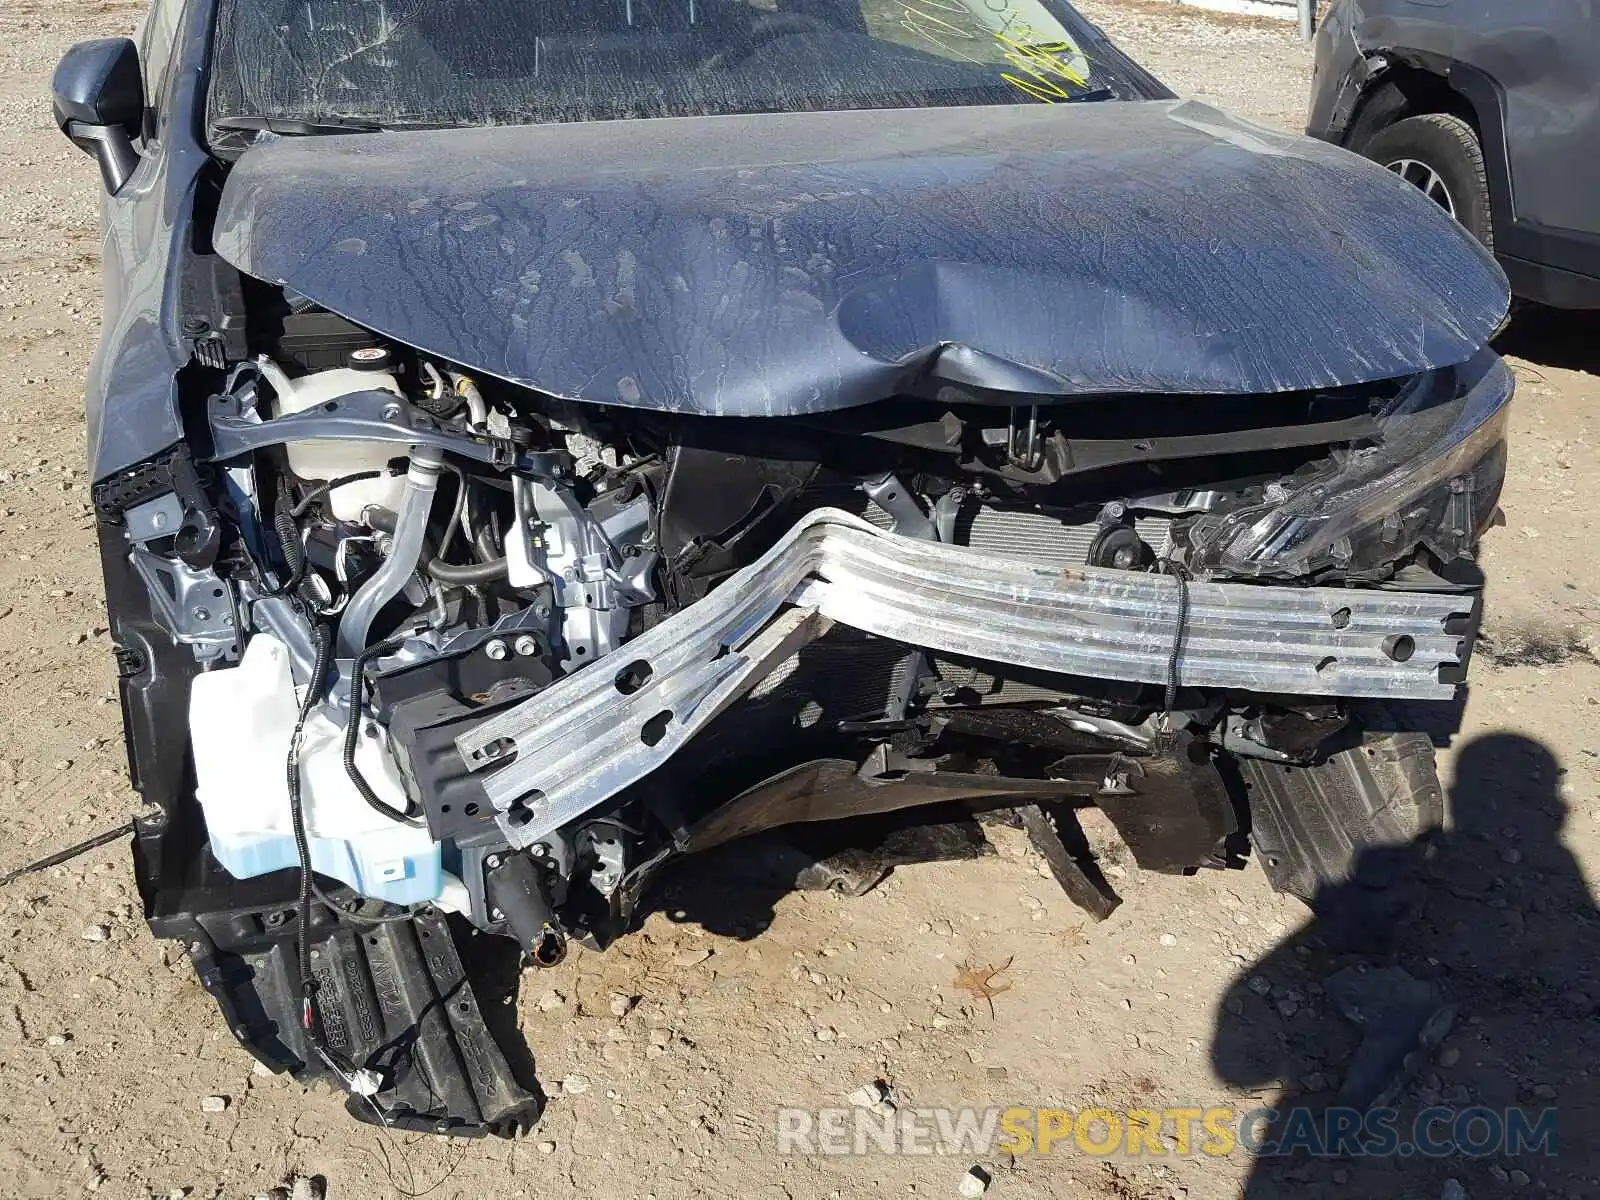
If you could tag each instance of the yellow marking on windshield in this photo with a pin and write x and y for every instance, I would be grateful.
(1044, 69)
(1045, 65)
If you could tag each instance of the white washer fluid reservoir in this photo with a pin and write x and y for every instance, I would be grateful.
(240, 720)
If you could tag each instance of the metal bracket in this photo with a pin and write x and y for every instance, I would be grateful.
(889, 494)
(375, 416)
(610, 857)
(161, 517)
(554, 541)
(1023, 448)
(197, 607)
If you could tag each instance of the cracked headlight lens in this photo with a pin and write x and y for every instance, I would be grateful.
(1433, 480)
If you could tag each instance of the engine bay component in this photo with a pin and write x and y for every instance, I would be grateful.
(519, 657)
(239, 783)
(597, 563)
(325, 462)
(403, 556)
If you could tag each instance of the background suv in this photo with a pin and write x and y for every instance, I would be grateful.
(1490, 109)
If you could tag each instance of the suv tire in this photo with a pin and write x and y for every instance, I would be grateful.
(1447, 146)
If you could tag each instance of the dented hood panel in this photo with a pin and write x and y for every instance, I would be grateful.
(792, 263)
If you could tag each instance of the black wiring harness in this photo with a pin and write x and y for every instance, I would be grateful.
(308, 981)
(352, 732)
(1167, 736)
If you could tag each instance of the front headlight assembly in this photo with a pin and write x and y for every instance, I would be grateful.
(1432, 479)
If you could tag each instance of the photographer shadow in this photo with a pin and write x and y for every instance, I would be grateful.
(1483, 934)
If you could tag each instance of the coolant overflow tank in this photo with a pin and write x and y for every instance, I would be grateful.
(320, 461)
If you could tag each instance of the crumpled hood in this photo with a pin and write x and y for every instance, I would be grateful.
(791, 263)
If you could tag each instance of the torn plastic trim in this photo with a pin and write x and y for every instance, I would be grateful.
(412, 1042)
(586, 737)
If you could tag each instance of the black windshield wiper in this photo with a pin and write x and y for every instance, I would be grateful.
(295, 127)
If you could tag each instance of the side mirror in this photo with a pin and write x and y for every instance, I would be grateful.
(98, 95)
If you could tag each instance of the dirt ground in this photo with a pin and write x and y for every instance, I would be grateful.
(1201, 991)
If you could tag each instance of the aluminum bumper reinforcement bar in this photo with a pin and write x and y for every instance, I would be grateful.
(589, 735)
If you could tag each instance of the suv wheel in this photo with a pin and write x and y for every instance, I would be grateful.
(1439, 154)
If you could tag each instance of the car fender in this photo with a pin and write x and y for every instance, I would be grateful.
(131, 402)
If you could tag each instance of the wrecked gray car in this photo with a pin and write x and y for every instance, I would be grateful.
(536, 444)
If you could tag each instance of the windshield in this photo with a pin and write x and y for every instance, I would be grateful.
(394, 63)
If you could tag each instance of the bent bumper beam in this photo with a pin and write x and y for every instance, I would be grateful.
(588, 736)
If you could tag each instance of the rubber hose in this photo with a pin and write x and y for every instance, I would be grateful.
(463, 574)
(467, 575)
(405, 552)
(485, 545)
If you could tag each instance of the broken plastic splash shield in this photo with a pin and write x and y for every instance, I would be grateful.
(588, 736)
